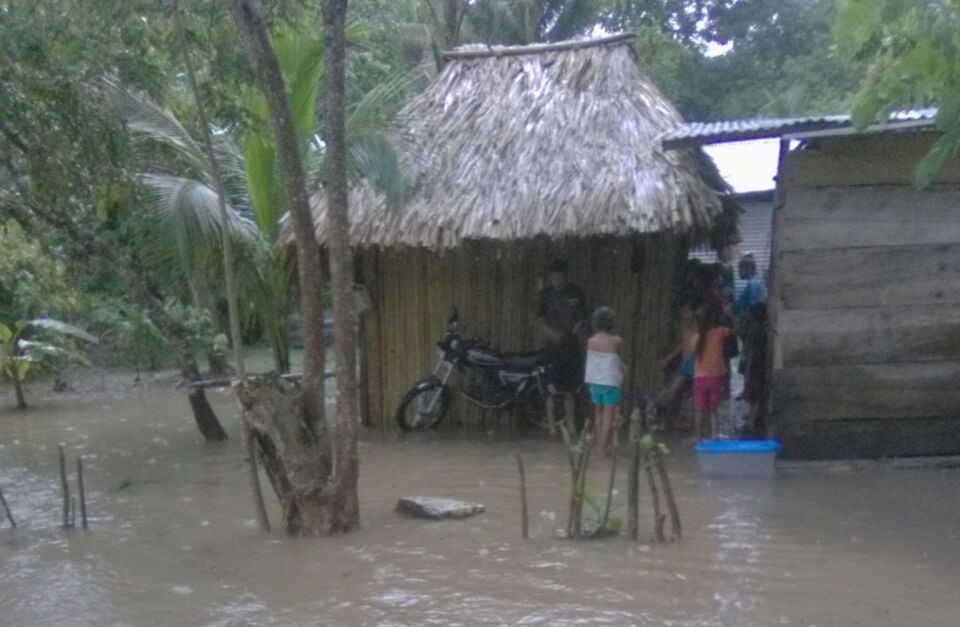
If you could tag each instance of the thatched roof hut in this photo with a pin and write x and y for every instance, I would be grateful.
(553, 140)
(515, 156)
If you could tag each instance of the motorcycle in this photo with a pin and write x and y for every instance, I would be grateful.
(491, 380)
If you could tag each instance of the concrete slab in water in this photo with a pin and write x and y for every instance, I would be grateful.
(437, 509)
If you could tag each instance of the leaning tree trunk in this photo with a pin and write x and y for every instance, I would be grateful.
(290, 430)
(203, 300)
(18, 387)
(206, 419)
(341, 258)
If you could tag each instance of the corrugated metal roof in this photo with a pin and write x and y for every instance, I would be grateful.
(699, 133)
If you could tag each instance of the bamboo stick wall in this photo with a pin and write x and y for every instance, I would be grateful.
(495, 287)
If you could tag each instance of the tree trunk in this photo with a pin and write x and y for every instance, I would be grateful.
(202, 299)
(288, 423)
(251, 26)
(311, 504)
(341, 257)
(225, 241)
(451, 24)
(18, 388)
(203, 413)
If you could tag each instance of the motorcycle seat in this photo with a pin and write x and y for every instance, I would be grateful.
(523, 361)
(486, 358)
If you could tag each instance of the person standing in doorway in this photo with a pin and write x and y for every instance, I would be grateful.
(560, 315)
(754, 291)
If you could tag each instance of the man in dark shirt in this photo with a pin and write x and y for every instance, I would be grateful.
(561, 307)
(561, 312)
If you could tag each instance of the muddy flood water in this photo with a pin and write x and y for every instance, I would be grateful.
(173, 539)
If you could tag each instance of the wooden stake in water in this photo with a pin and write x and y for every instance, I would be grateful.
(524, 517)
(606, 508)
(659, 518)
(73, 511)
(65, 489)
(661, 467)
(83, 493)
(575, 523)
(565, 434)
(6, 508)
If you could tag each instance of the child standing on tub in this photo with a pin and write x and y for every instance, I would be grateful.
(604, 376)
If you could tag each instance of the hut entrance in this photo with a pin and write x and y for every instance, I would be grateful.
(495, 286)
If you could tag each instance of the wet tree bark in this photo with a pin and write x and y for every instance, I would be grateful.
(18, 389)
(346, 469)
(287, 447)
(312, 469)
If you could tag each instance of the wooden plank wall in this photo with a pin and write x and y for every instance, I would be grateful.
(867, 339)
(495, 287)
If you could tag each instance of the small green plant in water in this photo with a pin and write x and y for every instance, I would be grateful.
(30, 342)
(594, 528)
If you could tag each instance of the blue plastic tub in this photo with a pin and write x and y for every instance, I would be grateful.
(737, 458)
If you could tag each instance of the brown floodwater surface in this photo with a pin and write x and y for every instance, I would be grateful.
(173, 539)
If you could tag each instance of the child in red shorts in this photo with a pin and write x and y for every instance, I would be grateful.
(709, 369)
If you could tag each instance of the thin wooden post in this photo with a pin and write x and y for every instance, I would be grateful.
(575, 524)
(633, 479)
(606, 508)
(73, 511)
(65, 489)
(661, 467)
(524, 517)
(565, 434)
(659, 518)
(83, 493)
(6, 508)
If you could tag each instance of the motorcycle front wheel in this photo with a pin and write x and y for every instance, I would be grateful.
(424, 406)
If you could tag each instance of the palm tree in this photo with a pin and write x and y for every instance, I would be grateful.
(182, 238)
(184, 232)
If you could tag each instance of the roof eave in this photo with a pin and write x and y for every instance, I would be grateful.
(795, 131)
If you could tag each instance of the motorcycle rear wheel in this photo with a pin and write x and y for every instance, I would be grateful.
(413, 414)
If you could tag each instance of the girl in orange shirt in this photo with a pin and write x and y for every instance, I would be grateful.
(709, 369)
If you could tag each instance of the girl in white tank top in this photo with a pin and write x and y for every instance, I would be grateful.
(604, 376)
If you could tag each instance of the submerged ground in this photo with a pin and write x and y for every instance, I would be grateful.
(173, 539)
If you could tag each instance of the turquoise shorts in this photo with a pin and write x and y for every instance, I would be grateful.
(605, 394)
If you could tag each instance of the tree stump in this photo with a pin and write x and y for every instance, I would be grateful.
(296, 457)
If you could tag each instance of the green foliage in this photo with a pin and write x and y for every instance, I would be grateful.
(199, 324)
(132, 331)
(30, 343)
(32, 282)
(912, 50)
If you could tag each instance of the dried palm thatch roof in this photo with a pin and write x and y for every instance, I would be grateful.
(516, 142)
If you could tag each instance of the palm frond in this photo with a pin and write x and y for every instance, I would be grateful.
(373, 157)
(186, 218)
(144, 116)
(62, 328)
(376, 108)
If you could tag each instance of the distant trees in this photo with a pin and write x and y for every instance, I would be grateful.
(912, 56)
